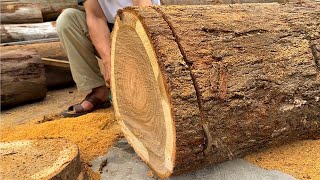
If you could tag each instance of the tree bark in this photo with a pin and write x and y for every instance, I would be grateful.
(211, 2)
(17, 13)
(26, 32)
(198, 85)
(52, 50)
(50, 9)
(22, 78)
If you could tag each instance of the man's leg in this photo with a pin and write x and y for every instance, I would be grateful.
(74, 35)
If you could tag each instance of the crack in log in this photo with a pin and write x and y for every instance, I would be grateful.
(315, 49)
(165, 18)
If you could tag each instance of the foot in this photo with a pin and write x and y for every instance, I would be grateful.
(101, 93)
(97, 99)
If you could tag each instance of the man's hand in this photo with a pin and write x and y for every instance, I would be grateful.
(99, 34)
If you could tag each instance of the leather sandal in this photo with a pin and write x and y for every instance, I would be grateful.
(77, 109)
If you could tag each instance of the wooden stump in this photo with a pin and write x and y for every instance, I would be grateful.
(26, 32)
(17, 13)
(22, 78)
(197, 85)
(39, 159)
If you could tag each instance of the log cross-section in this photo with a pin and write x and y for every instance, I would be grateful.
(198, 85)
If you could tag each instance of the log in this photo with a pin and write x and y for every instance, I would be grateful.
(52, 50)
(211, 2)
(27, 32)
(17, 13)
(198, 85)
(22, 78)
(57, 69)
(39, 159)
(50, 9)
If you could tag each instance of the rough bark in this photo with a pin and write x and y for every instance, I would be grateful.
(17, 13)
(50, 9)
(26, 32)
(22, 78)
(52, 50)
(57, 74)
(210, 2)
(240, 78)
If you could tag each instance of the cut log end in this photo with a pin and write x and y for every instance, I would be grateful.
(39, 159)
(140, 100)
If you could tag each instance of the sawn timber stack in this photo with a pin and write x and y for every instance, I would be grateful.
(198, 85)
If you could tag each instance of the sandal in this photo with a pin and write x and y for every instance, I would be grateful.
(77, 109)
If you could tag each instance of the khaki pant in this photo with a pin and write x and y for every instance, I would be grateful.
(74, 35)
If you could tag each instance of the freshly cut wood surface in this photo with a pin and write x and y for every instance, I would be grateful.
(39, 159)
(17, 13)
(26, 32)
(22, 78)
(196, 85)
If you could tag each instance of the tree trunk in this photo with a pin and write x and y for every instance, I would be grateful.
(26, 32)
(17, 13)
(22, 78)
(51, 9)
(197, 85)
(52, 50)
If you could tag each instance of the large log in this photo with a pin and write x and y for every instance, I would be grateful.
(22, 78)
(197, 85)
(51, 9)
(211, 2)
(17, 13)
(26, 32)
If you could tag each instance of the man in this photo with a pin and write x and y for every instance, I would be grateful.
(84, 36)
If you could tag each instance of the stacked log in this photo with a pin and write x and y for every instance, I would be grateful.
(22, 78)
(27, 32)
(198, 85)
(50, 9)
(24, 28)
(17, 13)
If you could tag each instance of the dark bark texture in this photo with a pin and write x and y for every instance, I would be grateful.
(22, 78)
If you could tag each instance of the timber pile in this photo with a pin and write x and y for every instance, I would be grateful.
(50, 9)
(214, 83)
(28, 26)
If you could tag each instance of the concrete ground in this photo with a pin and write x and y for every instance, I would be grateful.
(122, 163)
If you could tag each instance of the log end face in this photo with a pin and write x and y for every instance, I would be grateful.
(39, 159)
(139, 96)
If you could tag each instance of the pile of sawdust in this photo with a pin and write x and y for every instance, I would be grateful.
(300, 159)
(94, 133)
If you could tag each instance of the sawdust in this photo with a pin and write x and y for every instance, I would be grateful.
(300, 159)
(94, 133)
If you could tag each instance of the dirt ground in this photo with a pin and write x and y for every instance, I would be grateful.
(95, 133)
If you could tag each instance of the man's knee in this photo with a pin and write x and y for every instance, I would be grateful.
(66, 19)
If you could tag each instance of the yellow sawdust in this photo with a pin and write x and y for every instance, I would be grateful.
(94, 133)
(300, 159)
